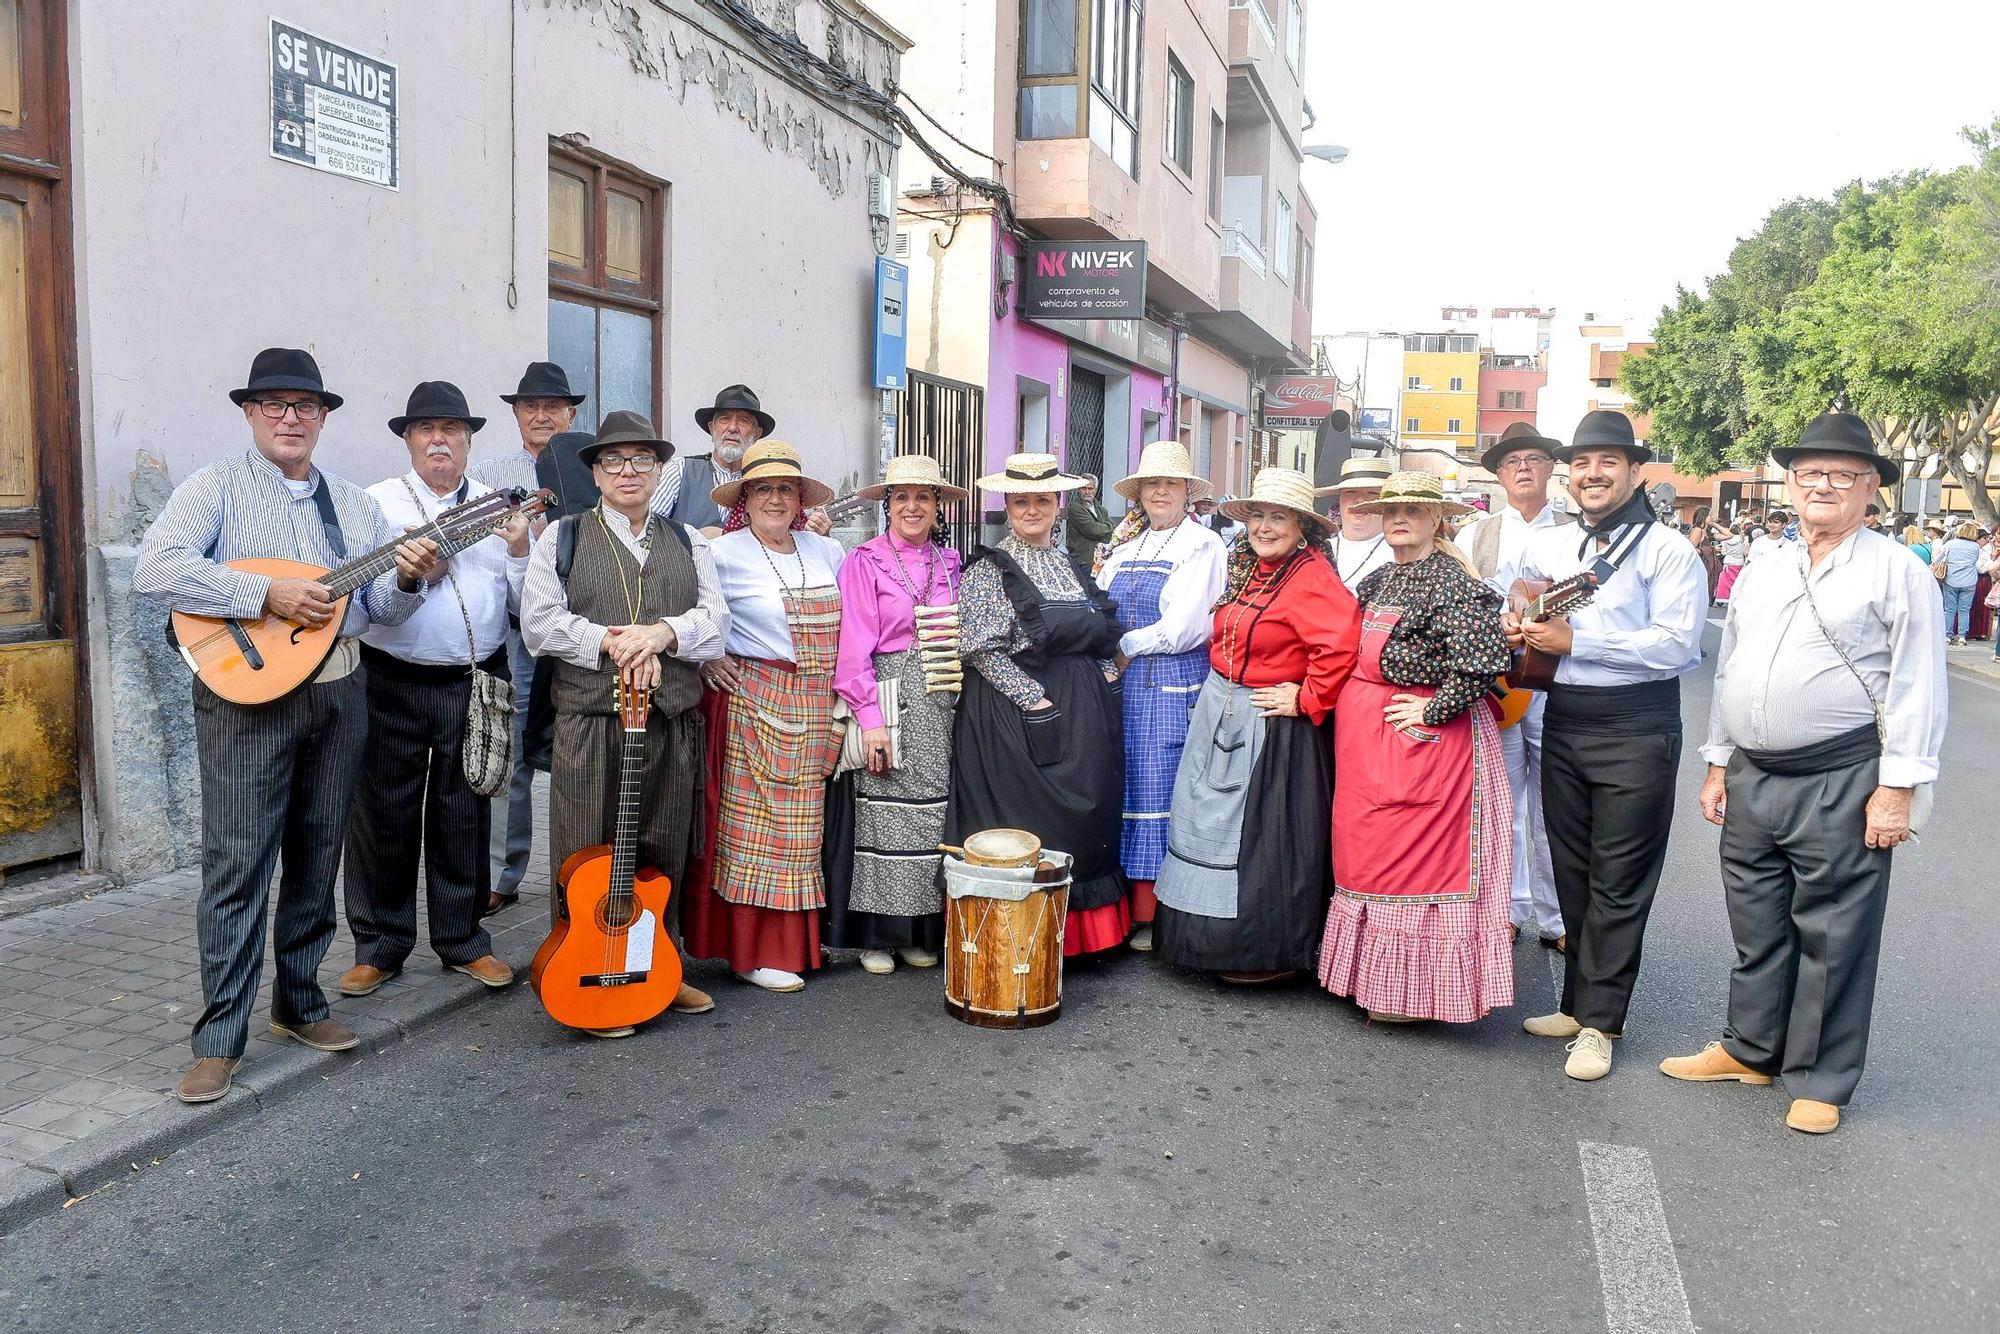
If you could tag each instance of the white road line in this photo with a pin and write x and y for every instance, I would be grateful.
(1643, 1293)
(1715, 621)
(1555, 973)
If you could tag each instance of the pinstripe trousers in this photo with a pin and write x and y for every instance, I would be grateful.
(416, 800)
(276, 783)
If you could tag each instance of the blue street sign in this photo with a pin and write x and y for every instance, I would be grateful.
(892, 285)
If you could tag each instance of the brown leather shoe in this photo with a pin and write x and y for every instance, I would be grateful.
(364, 978)
(692, 1000)
(1258, 979)
(1814, 1118)
(1711, 1065)
(209, 1079)
(486, 970)
(320, 1034)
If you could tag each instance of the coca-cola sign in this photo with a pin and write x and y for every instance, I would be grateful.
(1295, 401)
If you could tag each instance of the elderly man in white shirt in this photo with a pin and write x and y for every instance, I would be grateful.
(1828, 716)
(415, 800)
(1523, 460)
(1612, 739)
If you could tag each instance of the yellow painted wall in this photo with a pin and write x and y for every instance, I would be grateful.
(1434, 408)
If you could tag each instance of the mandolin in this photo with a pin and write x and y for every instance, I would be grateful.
(262, 660)
(1538, 600)
(609, 963)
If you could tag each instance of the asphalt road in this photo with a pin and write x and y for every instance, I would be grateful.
(1169, 1156)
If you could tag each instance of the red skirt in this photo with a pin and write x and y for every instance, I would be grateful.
(1093, 930)
(1982, 615)
(1144, 906)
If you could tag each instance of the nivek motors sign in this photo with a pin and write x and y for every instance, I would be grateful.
(1084, 280)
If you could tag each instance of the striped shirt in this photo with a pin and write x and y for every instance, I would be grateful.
(240, 508)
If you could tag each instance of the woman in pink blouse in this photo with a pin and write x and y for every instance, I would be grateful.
(884, 822)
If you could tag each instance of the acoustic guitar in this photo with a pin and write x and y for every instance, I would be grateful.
(258, 661)
(608, 963)
(1537, 600)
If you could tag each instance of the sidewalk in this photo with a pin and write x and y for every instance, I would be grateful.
(97, 997)
(1974, 662)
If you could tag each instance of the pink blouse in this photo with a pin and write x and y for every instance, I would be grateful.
(878, 613)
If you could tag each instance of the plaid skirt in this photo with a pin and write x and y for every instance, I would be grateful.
(779, 746)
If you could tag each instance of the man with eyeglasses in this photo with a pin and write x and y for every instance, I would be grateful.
(621, 588)
(277, 779)
(1827, 719)
(1524, 460)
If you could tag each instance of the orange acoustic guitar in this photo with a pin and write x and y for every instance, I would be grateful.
(1537, 600)
(256, 662)
(609, 963)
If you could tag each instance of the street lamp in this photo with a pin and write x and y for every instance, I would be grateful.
(1330, 153)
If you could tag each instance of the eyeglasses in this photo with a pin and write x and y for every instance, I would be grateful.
(1525, 463)
(1840, 479)
(274, 409)
(639, 463)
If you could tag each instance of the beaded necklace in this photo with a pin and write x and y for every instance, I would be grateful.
(1140, 554)
(1245, 606)
(902, 573)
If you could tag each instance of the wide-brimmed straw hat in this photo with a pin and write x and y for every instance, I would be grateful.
(1360, 473)
(770, 460)
(1029, 474)
(1277, 486)
(1413, 488)
(1164, 458)
(912, 470)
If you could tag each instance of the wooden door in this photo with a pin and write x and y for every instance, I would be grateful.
(41, 554)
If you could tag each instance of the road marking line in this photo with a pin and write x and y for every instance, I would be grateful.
(1636, 1266)
(1556, 973)
(1716, 621)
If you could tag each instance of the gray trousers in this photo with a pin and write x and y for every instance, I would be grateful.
(518, 832)
(1806, 899)
(416, 801)
(276, 782)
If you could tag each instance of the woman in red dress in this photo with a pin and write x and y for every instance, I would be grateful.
(1421, 814)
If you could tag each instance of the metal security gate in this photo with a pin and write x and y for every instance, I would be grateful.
(946, 419)
(1086, 423)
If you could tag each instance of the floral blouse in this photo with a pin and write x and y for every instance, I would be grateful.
(1449, 635)
(989, 631)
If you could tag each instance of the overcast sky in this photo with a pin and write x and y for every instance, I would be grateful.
(1591, 155)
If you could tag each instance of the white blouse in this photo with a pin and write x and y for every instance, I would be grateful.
(1187, 600)
(755, 579)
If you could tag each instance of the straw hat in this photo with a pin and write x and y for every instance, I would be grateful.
(1359, 473)
(1277, 486)
(1413, 488)
(1164, 458)
(911, 470)
(1028, 474)
(769, 459)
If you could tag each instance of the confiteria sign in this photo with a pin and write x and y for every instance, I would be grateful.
(1088, 280)
(1299, 401)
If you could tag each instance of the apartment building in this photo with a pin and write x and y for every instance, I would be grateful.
(1440, 394)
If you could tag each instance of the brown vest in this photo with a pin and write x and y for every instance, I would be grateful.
(596, 593)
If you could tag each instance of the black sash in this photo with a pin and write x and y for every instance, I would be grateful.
(1821, 757)
(1646, 708)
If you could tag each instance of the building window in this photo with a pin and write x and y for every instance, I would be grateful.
(1114, 79)
(1295, 27)
(1514, 400)
(1215, 159)
(1451, 426)
(606, 281)
(1412, 424)
(1458, 384)
(1304, 288)
(1051, 86)
(1180, 115)
(1416, 382)
(1281, 239)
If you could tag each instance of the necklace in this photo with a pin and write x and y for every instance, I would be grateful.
(632, 598)
(902, 573)
(1245, 606)
(1140, 555)
(789, 592)
(1366, 556)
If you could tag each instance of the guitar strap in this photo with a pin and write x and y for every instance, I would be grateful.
(323, 498)
(1622, 544)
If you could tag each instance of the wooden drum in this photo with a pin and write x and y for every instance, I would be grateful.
(1003, 946)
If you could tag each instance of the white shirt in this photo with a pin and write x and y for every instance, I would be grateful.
(1514, 533)
(1354, 559)
(1187, 599)
(1645, 622)
(550, 629)
(1780, 685)
(755, 589)
(484, 575)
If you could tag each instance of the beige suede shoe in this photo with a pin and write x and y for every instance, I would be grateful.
(364, 978)
(1712, 1064)
(691, 1000)
(1589, 1056)
(1814, 1118)
(1557, 1025)
(209, 1079)
(487, 970)
(320, 1034)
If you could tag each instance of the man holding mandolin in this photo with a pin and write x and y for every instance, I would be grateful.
(277, 777)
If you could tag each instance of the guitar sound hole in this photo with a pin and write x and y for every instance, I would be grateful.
(613, 919)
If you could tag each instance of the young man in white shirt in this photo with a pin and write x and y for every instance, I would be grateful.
(1828, 716)
(1612, 735)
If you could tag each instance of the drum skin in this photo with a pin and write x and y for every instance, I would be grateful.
(1003, 959)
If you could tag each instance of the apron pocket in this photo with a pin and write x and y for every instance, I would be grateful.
(1231, 760)
(782, 751)
(1044, 735)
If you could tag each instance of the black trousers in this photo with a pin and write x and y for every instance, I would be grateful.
(1608, 802)
(414, 800)
(276, 783)
(1806, 898)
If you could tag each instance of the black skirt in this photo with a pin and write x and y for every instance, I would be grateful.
(841, 928)
(1285, 875)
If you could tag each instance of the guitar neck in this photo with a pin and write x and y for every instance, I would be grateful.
(475, 521)
(625, 839)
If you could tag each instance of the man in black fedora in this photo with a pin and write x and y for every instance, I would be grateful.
(1523, 459)
(733, 423)
(544, 408)
(276, 779)
(1824, 733)
(417, 805)
(1611, 740)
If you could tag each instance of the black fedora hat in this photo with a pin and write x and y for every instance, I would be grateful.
(1840, 433)
(624, 428)
(1605, 428)
(543, 379)
(285, 368)
(1520, 435)
(741, 398)
(436, 398)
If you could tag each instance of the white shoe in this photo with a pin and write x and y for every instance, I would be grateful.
(1557, 1025)
(917, 958)
(773, 979)
(1142, 939)
(879, 962)
(1589, 1056)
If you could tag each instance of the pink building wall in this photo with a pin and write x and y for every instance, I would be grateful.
(1493, 419)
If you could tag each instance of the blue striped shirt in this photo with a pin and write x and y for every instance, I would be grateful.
(240, 508)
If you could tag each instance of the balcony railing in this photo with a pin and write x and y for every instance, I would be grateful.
(1239, 244)
(1261, 17)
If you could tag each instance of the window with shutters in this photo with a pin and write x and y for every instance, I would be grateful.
(606, 283)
